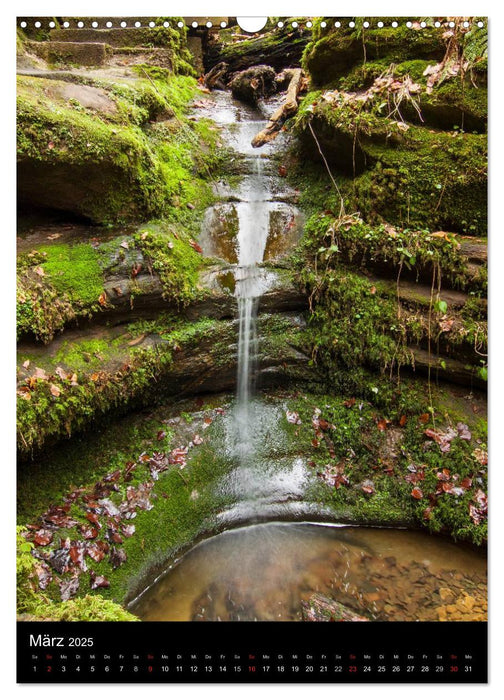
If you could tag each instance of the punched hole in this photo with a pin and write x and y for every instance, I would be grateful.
(252, 24)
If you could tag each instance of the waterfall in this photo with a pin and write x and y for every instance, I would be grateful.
(253, 221)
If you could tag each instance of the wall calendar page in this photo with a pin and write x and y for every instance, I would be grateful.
(252, 349)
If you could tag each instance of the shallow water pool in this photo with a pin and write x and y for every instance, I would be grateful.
(287, 571)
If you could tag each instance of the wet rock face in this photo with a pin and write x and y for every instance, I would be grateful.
(219, 236)
(253, 84)
(219, 232)
(211, 365)
(280, 295)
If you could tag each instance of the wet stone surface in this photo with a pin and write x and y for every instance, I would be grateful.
(219, 235)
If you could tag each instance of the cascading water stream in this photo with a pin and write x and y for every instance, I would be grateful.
(247, 353)
(253, 222)
(253, 225)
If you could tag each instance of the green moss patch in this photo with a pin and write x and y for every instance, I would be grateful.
(435, 180)
(413, 253)
(395, 125)
(174, 257)
(73, 270)
(60, 283)
(375, 322)
(334, 52)
(57, 284)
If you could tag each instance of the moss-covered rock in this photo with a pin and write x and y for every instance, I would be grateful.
(397, 126)
(59, 283)
(391, 252)
(411, 176)
(84, 378)
(76, 385)
(95, 153)
(458, 102)
(73, 160)
(435, 180)
(334, 52)
(454, 104)
(380, 297)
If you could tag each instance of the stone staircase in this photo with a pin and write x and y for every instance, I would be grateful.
(105, 41)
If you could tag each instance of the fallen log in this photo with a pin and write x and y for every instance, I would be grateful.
(277, 48)
(216, 78)
(320, 608)
(287, 109)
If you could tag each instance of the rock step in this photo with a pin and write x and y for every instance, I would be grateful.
(79, 76)
(198, 362)
(143, 298)
(205, 363)
(473, 257)
(447, 369)
(128, 36)
(475, 249)
(65, 75)
(154, 56)
(417, 294)
(453, 356)
(84, 53)
(93, 53)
